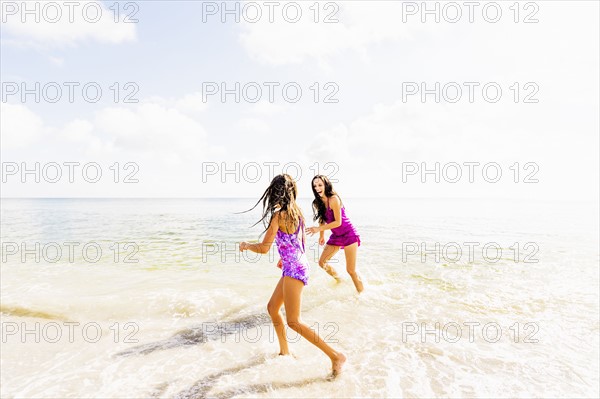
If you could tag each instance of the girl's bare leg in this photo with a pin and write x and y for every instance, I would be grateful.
(292, 294)
(273, 307)
(350, 252)
(327, 254)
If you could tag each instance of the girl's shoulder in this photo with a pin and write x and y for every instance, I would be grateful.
(277, 215)
(334, 199)
(287, 225)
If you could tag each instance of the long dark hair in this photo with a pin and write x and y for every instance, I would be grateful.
(280, 196)
(319, 207)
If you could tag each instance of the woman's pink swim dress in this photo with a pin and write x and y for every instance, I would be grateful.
(344, 235)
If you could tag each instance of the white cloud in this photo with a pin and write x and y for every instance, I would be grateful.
(374, 145)
(153, 128)
(254, 125)
(191, 103)
(330, 144)
(73, 25)
(166, 145)
(57, 61)
(20, 127)
(148, 129)
(360, 24)
(266, 108)
(428, 131)
(78, 130)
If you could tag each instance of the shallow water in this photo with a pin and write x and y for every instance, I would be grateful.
(188, 319)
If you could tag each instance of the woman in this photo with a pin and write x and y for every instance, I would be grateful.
(331, 215)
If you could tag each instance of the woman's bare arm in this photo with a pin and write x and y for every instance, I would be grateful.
(265, 245)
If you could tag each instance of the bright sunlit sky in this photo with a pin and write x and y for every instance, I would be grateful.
(368, 135)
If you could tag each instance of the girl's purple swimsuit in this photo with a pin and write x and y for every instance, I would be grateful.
(345, 234)
(294, 262)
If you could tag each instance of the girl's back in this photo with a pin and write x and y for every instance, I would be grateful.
(290, 246)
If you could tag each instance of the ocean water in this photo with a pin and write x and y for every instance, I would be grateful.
(131, 298)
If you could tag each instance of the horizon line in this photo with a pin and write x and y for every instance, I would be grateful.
(308, 198)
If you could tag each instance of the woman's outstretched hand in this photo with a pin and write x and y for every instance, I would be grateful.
(312, 230)
(244, 246)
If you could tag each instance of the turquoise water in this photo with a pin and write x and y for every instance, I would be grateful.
(182, 314)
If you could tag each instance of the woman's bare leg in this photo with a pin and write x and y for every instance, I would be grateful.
(292, 294)
(327, 254)
(273, 307)
(350, 252)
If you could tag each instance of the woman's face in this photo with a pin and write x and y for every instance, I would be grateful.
(319, 187)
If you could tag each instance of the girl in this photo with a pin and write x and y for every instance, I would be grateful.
(331, 214)
(285, 222)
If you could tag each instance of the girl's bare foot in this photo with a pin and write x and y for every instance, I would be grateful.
(331, 271)
(358, 284)
(337, 364)
(337, 278)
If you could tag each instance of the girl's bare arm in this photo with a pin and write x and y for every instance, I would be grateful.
(265, 245)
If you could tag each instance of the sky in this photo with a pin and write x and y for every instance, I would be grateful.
(495, 100)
